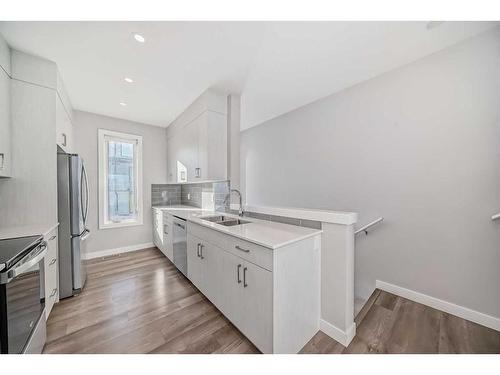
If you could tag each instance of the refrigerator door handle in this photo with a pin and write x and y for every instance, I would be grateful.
(87, 192)
(85, 234)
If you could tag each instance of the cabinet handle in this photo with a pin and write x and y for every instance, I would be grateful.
(52, 238)
(245, 277)
(64, 141)
(242, 249)
(2, 159)
(198, 250)
(53, 292)
(52, 261)
(201, 251)
(238, 273)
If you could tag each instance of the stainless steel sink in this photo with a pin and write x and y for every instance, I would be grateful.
(232, 223)
(224, 220)
(214, 219)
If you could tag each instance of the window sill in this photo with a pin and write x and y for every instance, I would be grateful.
(120, 225)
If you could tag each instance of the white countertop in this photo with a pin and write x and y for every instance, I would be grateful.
(325, 216)
(261, 232)
(26, 230)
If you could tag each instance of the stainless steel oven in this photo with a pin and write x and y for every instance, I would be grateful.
(22, 299)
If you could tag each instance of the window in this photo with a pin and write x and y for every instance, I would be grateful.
(120, 179)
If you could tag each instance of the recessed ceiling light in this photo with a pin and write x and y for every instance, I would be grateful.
(123, 104)
(139, 38)
(129, 80)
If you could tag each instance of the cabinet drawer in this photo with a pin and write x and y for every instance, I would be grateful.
(209, 235)
(168, 218)
(259, 255)
(256, 254)
(51, 266)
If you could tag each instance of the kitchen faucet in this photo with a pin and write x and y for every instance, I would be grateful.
(240, 210)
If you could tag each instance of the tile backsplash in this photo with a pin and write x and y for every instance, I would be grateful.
(212, 196)
(165, 195)
(207, 195)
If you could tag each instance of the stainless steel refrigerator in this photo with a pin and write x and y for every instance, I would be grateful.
(73, 209)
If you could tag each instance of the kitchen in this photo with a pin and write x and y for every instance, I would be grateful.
(149, 207)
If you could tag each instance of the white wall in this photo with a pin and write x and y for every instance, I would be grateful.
(419, 146)
(154, 171)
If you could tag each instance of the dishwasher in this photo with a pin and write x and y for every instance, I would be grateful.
(180, 244)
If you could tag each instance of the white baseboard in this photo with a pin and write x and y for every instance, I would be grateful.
(448, 307)
(344, 337)
(118, 250)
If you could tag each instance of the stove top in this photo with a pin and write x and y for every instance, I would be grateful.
(13, 249)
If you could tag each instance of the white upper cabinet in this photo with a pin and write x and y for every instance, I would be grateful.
(212, 146)
(44, 73)
(197, 141)
(64, 127)
(64, 118)
(5, 110)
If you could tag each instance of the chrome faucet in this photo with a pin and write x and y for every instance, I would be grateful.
(240, 210)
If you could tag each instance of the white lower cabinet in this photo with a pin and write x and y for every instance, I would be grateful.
(51, 267)
(195, 270)
(256, 306)
(247, 293)
(158, 229)
(168, 243)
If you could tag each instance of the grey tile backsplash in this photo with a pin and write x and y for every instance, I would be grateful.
(212, 196)
(207, 195)
(164, 195)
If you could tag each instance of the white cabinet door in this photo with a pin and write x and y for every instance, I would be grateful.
(158, 229)
(231, 294)
(187, 152)
(171, 160)
(256, 307)
(64, 128)
(212, 146)
(5, 125)
(193, 261)
(167, 240)
(211, 267)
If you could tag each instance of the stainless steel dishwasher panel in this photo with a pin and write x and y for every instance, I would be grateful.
(180, 244)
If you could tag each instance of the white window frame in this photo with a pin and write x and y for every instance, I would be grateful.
(103, 181)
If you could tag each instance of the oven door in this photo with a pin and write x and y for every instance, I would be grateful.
(23, 290)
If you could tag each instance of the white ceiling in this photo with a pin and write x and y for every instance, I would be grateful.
(277, 66)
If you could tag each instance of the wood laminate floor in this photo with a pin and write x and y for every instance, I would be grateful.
(140, 303)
